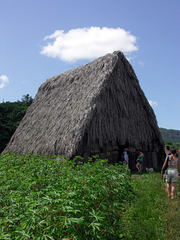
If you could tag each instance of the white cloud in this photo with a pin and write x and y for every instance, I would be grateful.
(3, 81)
(152, 103)
(88, 43)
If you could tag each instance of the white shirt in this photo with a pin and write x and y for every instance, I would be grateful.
(126, 158)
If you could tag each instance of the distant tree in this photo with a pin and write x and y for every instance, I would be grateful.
(27, 99)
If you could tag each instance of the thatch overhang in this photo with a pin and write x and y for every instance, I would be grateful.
(95, 108)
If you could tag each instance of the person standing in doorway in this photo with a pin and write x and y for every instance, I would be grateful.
(140, 157)
(125, 157)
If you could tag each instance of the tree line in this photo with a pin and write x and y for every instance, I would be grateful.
(11, 113)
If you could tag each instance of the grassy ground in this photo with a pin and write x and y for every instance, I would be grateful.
(172, 215)
(152, 215)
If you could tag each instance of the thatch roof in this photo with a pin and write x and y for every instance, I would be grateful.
(93, 106)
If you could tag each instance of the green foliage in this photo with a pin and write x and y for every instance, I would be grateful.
(11, 113)
(172, 145)
(27, 99)
(55, 198)
(170, 135)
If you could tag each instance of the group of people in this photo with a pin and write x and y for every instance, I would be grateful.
(139, 160)
(170, 169)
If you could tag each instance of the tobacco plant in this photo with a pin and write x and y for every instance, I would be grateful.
(43, 197)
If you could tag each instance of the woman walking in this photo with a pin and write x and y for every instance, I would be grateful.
(171, 173)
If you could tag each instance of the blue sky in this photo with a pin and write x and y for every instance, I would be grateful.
(43, 38)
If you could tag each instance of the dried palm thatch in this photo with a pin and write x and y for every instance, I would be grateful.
(97, 107)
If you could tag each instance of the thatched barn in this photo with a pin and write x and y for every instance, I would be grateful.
(96, 108)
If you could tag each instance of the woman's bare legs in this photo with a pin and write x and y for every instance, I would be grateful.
(169, 189)
(173, 190)
(138, 167)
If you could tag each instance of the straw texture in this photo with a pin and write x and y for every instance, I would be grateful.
(97, 107)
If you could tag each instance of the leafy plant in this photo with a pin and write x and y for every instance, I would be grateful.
(56, 198)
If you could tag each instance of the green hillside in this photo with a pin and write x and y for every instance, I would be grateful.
(170, 135)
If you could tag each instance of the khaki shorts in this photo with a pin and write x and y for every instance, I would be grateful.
(171, 175)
